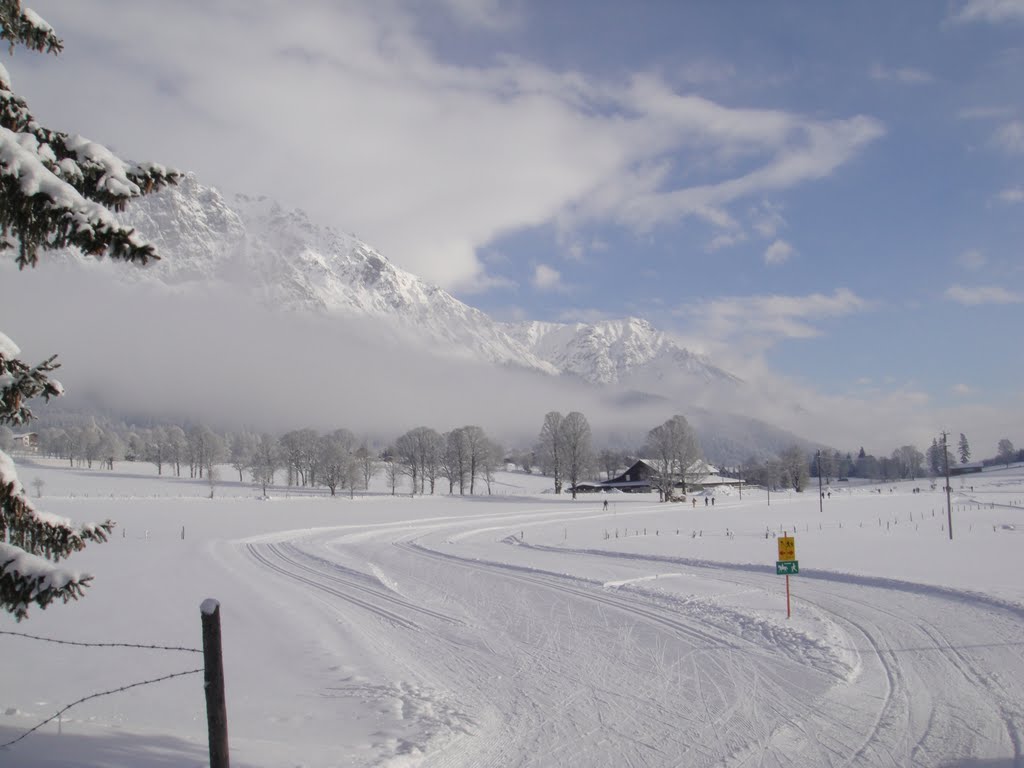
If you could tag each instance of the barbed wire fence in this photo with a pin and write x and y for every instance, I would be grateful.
(101, 645)
(91, 696)
(213, 679)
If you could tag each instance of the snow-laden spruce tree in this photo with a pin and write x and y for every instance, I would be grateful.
(57, 191)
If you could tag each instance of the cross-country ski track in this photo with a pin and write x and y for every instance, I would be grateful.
(542, 658)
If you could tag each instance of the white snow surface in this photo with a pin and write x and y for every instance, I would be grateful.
(528, 629)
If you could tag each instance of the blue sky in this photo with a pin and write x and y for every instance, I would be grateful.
(821, 196)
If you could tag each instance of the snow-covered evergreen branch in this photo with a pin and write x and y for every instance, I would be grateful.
(20, 382)
(57, 191)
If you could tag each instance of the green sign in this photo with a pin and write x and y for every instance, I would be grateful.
(787, 567)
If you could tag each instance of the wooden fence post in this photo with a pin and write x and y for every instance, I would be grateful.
(213, 682)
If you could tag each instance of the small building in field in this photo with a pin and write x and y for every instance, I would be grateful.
(27, 442)
(966, 469)
(642, 475)
(636, 479)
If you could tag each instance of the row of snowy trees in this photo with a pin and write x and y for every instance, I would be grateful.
(337, 459)
(168, 448)
(564, 450)
(464, 457)
(461, 457)
(793, 467)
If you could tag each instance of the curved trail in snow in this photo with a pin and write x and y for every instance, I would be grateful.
(550, 667)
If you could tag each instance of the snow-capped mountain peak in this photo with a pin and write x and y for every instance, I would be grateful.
(628, 351)
(287, 262)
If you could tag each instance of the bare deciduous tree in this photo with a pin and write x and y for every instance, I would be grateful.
(549, 448)
(576, 447)
(494, 459)
(406, 451)
(673, 448)
(454, 463)
(1005, 451)
(367, 464)
(266, 459)
(795, 472)
(477, 449)
(392, 471)
(335, 460)
(243, 444)
(908, 460)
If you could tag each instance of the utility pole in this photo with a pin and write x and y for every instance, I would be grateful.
(821, 494)
(949, 503)
(741, 482)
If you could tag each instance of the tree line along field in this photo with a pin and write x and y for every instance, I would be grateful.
(564, 449)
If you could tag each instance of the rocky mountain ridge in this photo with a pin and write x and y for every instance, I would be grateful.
(286, 262)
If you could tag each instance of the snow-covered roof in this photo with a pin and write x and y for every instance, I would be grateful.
(698, 467)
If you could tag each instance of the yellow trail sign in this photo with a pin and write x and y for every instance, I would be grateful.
(787, 548)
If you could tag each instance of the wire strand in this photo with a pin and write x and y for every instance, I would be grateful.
(102, 645)
(96, 696)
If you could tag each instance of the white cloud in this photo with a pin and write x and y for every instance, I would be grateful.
(763, 320)
(724, 240)
(585, 315)
(1010, 137)
(767, 219)
(547, 278)
(188, 374)
(961, 389)
(574, 249)
(971, 296)
(483, 282)
(899, 414)
(348, 111)
(904, 75)
(993, 11)
(487, 14)
(972, 259)
(778, 252)
(792, 149)
(1012, 195)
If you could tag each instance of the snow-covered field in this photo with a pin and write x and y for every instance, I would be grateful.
(525, 629)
